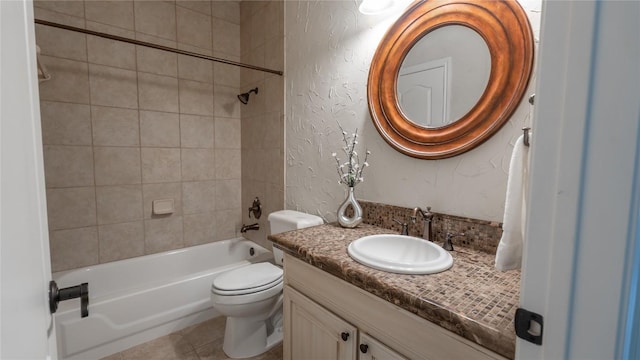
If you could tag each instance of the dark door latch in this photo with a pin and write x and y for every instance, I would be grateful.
(529, 326)
(79, 291)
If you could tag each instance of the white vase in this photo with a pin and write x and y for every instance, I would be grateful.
(356, 219)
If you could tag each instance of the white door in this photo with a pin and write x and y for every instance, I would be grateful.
(584, 179)
(423, 92)
(27, 330)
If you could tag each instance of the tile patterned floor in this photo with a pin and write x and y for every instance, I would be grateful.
(199, 342)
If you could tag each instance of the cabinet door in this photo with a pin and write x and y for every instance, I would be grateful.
(372, 349)
(313, 333)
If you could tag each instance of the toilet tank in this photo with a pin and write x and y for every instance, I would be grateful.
(287, 220)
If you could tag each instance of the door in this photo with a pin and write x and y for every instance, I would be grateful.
(26, 330)
(584, 188)
(313, 333)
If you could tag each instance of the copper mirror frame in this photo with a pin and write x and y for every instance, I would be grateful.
(504, 27)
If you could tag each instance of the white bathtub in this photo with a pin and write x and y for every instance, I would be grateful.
(136, 300)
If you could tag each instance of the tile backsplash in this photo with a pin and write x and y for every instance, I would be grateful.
(478, 234)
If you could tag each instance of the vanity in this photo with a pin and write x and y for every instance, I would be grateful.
(336, 308)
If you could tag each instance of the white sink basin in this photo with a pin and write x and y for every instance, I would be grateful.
(400, 254)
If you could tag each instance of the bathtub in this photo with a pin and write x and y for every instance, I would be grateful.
(136, 300)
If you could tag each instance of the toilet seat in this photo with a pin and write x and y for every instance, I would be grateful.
(248, 280)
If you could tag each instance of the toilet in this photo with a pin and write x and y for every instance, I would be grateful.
(251, 296)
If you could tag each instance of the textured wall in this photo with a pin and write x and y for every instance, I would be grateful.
(124, 125)
(329, 46)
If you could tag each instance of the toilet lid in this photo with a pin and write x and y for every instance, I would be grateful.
(248, 279)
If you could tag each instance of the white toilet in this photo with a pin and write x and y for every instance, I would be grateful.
(251, 296)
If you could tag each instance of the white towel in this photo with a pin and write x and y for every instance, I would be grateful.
(509, 254)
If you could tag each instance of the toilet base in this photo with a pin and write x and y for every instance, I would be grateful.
(244, 338)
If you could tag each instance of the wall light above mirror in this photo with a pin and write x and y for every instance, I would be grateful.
(448, 74)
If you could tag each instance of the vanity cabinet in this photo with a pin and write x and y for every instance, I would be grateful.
(313, 332)
(328, 318)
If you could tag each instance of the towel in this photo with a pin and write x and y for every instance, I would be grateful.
(509, 253)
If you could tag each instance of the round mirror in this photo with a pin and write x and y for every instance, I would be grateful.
(398, 103)
(443, 76)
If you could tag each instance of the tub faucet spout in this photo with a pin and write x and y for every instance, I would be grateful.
(246, 228)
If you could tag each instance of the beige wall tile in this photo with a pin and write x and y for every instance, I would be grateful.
(69, 81)
(272, 131)
(196, 131)
(60, 18)
(227, 223)
(61, 43)
(228, 194)
(113, 87)
(197, 164)
(117, 13)
(195, 49)
(274, 55)
(121, 241)
(196, 98)
(156, 18)
(274, 173)
(227, 133)
(191, 68)
(117, 165)
(201, 6)
(111, 53)
(75, 8)
(160, 165)
(159, 129)
(273, 18)
(109, 29)
(71, 207)
(115, 126)
(163, 234)
(68, 166)
(157, 61)
(194, 28)
(228, 164)
(158, 93)
(117, 204)
(156, 40)
(65, 123)
(199, 229)
(73, 248)
(226, 37)
(198, 197)
(226, 10)
(225, 74)
(226, 103)
(151, 192)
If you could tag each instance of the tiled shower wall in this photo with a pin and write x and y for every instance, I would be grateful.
(124, 125)
(262, 35)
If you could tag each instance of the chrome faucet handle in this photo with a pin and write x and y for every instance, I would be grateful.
(405, 227)
(448, 245)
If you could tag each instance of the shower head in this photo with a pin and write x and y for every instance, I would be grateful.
(244, 98)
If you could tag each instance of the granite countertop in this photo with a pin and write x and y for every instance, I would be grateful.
(472, 299)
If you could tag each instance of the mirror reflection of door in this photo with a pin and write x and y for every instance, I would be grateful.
(443, 76)
(424, 92)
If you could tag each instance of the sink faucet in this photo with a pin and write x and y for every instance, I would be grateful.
(427, 217)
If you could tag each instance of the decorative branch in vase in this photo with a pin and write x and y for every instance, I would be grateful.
(350, 174)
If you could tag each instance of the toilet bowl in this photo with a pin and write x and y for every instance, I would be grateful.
(251, 296)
